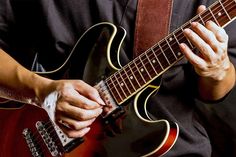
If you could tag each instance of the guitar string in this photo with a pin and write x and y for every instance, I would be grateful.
(214, 10)
(182, 37)
(51, 126)
(40, 140)
(38, 137)
(166, 44)
(120, 24)
(122, 16)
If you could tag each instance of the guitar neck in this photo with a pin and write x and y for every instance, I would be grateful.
(161, 56)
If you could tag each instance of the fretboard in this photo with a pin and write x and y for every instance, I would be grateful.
(160, 57)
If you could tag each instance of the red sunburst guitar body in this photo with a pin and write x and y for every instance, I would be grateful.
(127, 130)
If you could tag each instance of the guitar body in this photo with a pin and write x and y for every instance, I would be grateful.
(13, 122)
(127, 131)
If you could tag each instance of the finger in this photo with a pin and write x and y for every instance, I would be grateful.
(207, 35)
(74, 133)
(76, 112)
(195, 60)
(219, 32)
(89, 91)
(75, 124)
(200, 44)
(84, 102)
(201, 8)
(76, 99)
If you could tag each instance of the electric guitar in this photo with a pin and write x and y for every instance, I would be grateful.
(28, 131)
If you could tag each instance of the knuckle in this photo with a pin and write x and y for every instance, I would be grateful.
(219, 32)
(64, 94)
(77, 125)
(81, 116)
(59, 108)
(80, 82)
(84, 105)
(93, 92)
(211, 34)
(73, 134)
(204, 48)
(222, 35)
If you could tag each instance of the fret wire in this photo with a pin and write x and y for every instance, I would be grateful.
(207, 16)
(214, 17)
(157, 58)
(155, 63)
(176, 38)
(144, 67)
(151, 64)
(179, 33)
(163, 60)
(225, 10)
(114, 95)
(163, 53)
(153, 58)
(139, 72)
(179, 54)
(206, 13)
(203, 22)
(187, 38)
(168, 53)
(124, 82)
(120, 87)
(220, 13)
(160, 64)
(232, 11)
(134, 75)
(130, 80)
(171, 48)
(176, 43)
(141, 78)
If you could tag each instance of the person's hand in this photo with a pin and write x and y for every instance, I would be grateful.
(77, 106)
(211, 40)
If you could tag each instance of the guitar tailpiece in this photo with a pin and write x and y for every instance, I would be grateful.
(34, 147)
(47, 136)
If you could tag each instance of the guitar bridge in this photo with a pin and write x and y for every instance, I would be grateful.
(34, 147)
(106, 97)
(49, 137)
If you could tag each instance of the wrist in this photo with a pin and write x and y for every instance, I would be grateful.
(41, 88)
(214, 89)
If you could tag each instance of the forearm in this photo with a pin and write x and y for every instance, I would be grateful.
(16, 82)
(212, 90)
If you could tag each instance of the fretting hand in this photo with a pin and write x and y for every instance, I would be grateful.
(212, 63)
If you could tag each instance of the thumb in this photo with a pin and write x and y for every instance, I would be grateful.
(201, 8)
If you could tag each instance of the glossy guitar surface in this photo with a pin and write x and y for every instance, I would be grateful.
(127, 130)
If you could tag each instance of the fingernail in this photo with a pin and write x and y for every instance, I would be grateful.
(182, 45)
(187, 30)
(194, 24)
(87, 130)
(101, 102)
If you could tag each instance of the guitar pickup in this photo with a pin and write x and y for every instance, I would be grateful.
(48, 135)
